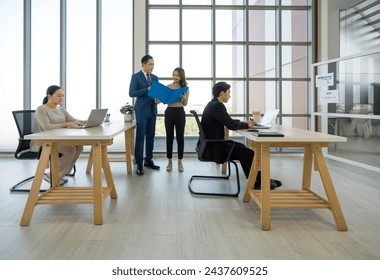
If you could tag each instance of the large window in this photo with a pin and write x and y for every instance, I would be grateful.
(262, 48)
(116, 54)
(45, 48)
(11, 70)
(116, 64)
(81, 57)
(44, 43)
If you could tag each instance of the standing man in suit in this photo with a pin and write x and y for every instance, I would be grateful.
(146, 113)
(214, 118)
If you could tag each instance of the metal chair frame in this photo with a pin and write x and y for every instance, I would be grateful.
(23, 152)
(201, 148)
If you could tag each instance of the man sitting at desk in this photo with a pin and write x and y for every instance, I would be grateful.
(214, 118)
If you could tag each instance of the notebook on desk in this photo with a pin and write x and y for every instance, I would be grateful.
(95, 118)
(268, 134)
(267, 121)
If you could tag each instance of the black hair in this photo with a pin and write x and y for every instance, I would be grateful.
(145, 58)
(50, 91)
(219, 87)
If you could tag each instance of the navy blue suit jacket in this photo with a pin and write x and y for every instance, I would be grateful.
(139, 89)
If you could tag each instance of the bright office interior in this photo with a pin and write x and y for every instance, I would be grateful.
(265, 50)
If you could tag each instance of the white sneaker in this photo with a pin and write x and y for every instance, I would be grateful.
(61, 181)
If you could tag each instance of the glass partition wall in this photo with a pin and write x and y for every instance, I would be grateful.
(347, 89)
(347, 96)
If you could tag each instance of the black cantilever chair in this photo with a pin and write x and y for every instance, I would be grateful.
(201, 149)
(25, 121)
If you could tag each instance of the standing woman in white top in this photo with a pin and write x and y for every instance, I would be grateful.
(175, 118)
(50, 116)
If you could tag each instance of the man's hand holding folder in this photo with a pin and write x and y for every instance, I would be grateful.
(165, 94)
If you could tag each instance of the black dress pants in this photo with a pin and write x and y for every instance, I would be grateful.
(242, 154)
(175, 118)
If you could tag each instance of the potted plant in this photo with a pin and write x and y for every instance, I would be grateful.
(127, 110)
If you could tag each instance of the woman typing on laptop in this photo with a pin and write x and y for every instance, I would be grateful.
(50, 115)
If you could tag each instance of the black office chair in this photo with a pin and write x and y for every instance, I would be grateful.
(201, 149)
(25, 121)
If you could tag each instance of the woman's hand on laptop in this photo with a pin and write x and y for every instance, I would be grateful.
(80, 122)
(74, 123)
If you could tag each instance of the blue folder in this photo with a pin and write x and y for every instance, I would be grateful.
(165, 94)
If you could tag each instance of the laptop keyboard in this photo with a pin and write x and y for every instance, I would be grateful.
(77, 126)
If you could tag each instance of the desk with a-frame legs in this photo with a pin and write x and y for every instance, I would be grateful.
(312, 142)
(98, 138)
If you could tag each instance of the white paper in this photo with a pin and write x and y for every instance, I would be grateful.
(324, 80)
(329, 96)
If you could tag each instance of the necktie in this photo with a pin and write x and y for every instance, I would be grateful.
(149, 78)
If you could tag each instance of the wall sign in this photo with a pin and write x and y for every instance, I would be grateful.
(324, 80)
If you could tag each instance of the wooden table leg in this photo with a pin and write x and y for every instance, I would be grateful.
(265, 187)
(97, 178)
(54, 166)
(36, 185)
(252, 175)
(108, 173)
(329, 188)
(307, 166)
(128, 149)
(89, 162)
(132, 146)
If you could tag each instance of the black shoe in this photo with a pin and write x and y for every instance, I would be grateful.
(151, 164)
(140, 169)
(273, 184)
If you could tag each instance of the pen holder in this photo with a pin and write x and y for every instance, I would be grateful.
(128, 117)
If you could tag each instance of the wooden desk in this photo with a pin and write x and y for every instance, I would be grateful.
(312, 142)
(98, 138)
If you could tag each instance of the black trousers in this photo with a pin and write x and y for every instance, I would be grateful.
(242, 154)
(175, 118)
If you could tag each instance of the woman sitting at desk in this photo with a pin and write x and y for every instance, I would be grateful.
(50, 116)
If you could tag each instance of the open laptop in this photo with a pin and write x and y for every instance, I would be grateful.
(267, 121)
(95, 118)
